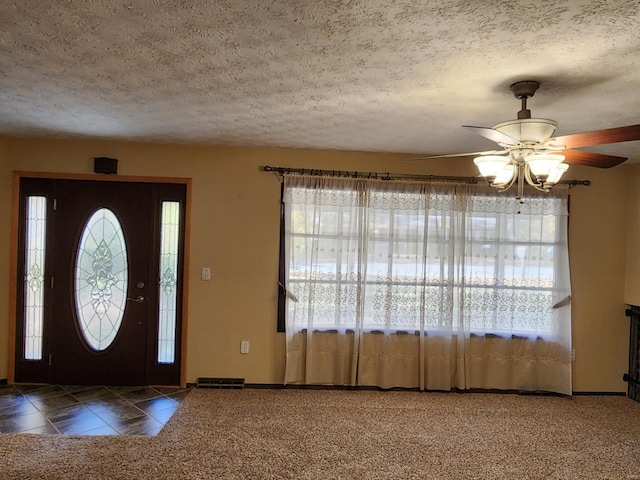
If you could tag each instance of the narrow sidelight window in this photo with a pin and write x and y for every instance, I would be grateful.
(35, 240)
(169, 239)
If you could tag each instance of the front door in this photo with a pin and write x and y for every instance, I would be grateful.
(104, 296)
(102, 267)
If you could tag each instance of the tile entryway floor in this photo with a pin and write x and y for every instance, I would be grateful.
(87, 410)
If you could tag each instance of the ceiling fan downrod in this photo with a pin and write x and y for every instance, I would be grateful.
(522, 91)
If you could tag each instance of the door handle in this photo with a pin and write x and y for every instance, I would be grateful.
(138, 299)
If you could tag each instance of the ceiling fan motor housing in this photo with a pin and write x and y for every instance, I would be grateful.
(528, 130)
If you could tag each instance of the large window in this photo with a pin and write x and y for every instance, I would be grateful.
(430, 286)
(411, 257)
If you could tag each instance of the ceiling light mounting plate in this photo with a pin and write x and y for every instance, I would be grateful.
(524, 89)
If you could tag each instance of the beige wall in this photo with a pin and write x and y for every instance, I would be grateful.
(632, 285)
(235, 233)
(597, 249)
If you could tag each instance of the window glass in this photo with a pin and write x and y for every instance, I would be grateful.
(101, 278)
(169, 238)
(35, 249)
(414, 267)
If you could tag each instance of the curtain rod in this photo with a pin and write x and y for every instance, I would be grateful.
(393, 176)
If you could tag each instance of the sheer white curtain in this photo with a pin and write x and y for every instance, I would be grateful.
(436, 286)
(325, 238)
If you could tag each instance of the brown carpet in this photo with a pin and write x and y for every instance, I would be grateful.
(329, 434)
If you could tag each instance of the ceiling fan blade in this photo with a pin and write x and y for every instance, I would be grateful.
(456, 155)
(492, 134)
(599, 137)
(590, 159)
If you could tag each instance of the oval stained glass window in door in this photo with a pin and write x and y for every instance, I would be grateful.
(101, 278)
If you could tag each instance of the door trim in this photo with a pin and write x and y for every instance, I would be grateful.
(13, 254)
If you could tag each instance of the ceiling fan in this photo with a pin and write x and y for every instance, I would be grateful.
(529, 152)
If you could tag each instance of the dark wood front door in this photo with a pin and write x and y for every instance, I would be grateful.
(100, 301)
(101, 306)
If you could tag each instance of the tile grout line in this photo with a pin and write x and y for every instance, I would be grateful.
(64, 390)
(82, 402)
(144, 414)
(38, 409)
(79, 402)
(44, 414)
(129, 403)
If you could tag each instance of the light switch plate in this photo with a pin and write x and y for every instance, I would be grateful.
(206, 273)
(244, 346)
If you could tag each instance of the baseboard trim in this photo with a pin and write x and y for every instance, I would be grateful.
(279, 386)
(612, 394)
(400, 389)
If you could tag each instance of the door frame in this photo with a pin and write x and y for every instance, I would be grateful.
(13, 254)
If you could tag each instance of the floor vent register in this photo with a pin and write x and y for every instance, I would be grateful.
(220, 383)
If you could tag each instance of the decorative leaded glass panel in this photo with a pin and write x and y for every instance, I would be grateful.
(101, 278)
(169, 236)
(35, 243)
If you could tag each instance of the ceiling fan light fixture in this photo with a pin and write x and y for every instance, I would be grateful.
(540, 170)
(491, 165)
(555, 174)
(543, 164)
(504, 176)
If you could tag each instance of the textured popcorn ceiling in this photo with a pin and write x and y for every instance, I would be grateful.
(370, 75)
